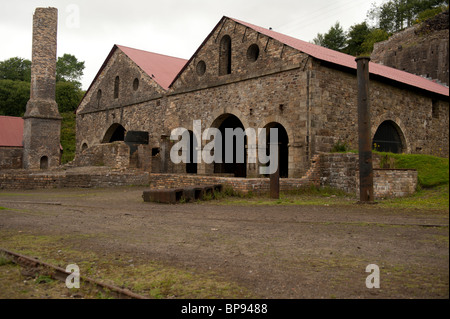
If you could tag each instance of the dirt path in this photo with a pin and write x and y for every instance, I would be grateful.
(275, 252)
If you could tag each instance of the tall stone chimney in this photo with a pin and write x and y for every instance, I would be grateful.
(42, 121)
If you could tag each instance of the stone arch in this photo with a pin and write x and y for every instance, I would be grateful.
(398, 124)
(281, 120)
(389, 138)
(116, 132)
(238, 164)
(84, 147)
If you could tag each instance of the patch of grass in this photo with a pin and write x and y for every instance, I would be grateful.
(4, 260)
(426, 198)
(432, 171)
(149, 278)
(44, 279)
(310, 195)
(3, 208)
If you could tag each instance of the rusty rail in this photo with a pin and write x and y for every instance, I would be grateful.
(61, 274)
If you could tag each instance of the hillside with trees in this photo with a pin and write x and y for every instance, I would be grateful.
(382, 22)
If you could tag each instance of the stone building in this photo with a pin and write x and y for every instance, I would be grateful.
(246, 76)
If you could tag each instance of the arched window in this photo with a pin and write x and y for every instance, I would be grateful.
(116, 87)
(388, 138)
(225, 55)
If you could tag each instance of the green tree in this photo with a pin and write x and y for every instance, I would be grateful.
(395, 15)
(69, 69)
(334, 39)
(68, 96)
(14, 96)
(356, 36)
(15, 69)
(376, 35)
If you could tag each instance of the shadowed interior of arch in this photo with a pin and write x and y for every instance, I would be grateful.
(283, 147)
(238, 169)
(388, 138)
(115, 132)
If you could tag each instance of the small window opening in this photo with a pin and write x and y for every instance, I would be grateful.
(116, 87)
(136, 84)
(225, 56)
(99, 97)
(435, 109)
(155, 151)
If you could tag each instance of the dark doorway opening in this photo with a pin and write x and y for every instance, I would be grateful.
(238, 165)
(283, 147)
(388, 138)
(44, 162)
(191, 165)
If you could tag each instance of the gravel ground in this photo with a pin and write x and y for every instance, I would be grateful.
(273, 251)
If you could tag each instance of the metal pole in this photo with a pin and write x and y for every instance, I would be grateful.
(364, 132)
(275, 178)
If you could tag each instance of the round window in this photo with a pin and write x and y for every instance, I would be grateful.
(201, 68)
(253, 53)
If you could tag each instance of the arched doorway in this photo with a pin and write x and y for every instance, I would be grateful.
(116, 132)
(191, 165)
(43, 162)
(388, 138)
(283, 147)
(234, 153)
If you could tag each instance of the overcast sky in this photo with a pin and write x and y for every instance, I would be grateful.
(88, 29)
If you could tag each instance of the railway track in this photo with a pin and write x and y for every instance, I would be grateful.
(58, 273)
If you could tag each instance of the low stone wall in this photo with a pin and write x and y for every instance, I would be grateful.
(394, 182)
(114, 155)
(243, 185)
(335, 170)
(342, 171)
(21, 179)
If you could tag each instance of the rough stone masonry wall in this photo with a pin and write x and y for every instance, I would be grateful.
(11, 158)
(114, 155)
(341, 171)
(20, 179)
(422, 119)
(421, 49)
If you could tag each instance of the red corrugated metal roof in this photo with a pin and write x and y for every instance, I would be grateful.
(348, 61)
(161, 68)
(11, 131)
